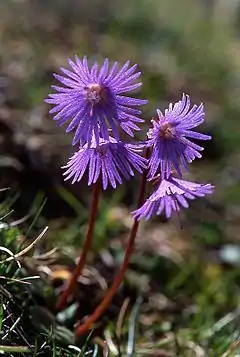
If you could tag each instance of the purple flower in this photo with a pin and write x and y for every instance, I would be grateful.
(91, 99)
(111, 159)
(170, 135)
(170, 195)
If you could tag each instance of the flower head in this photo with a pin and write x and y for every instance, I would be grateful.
(170, 195)
(111, 159)
(91, 99)
(170, 135)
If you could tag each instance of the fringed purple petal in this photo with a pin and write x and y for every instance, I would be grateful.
(111, 160)
(98, 94)
(169, 138)
(169, 196)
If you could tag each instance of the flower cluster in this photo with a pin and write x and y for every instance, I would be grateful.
(94, 103)
(171, 153)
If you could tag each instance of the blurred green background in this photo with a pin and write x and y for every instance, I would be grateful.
(190, 46)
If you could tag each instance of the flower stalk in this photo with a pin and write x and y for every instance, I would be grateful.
(63, 299)
(81, 329)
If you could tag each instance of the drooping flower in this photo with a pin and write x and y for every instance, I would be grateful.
(169, 138)
(170, 195)
(92, 100)
(110, 159)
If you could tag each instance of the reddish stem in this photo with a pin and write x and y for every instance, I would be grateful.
(62, 301)
(81, 329)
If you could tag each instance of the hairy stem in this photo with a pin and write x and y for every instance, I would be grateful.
(62, 301)
(81, 329)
